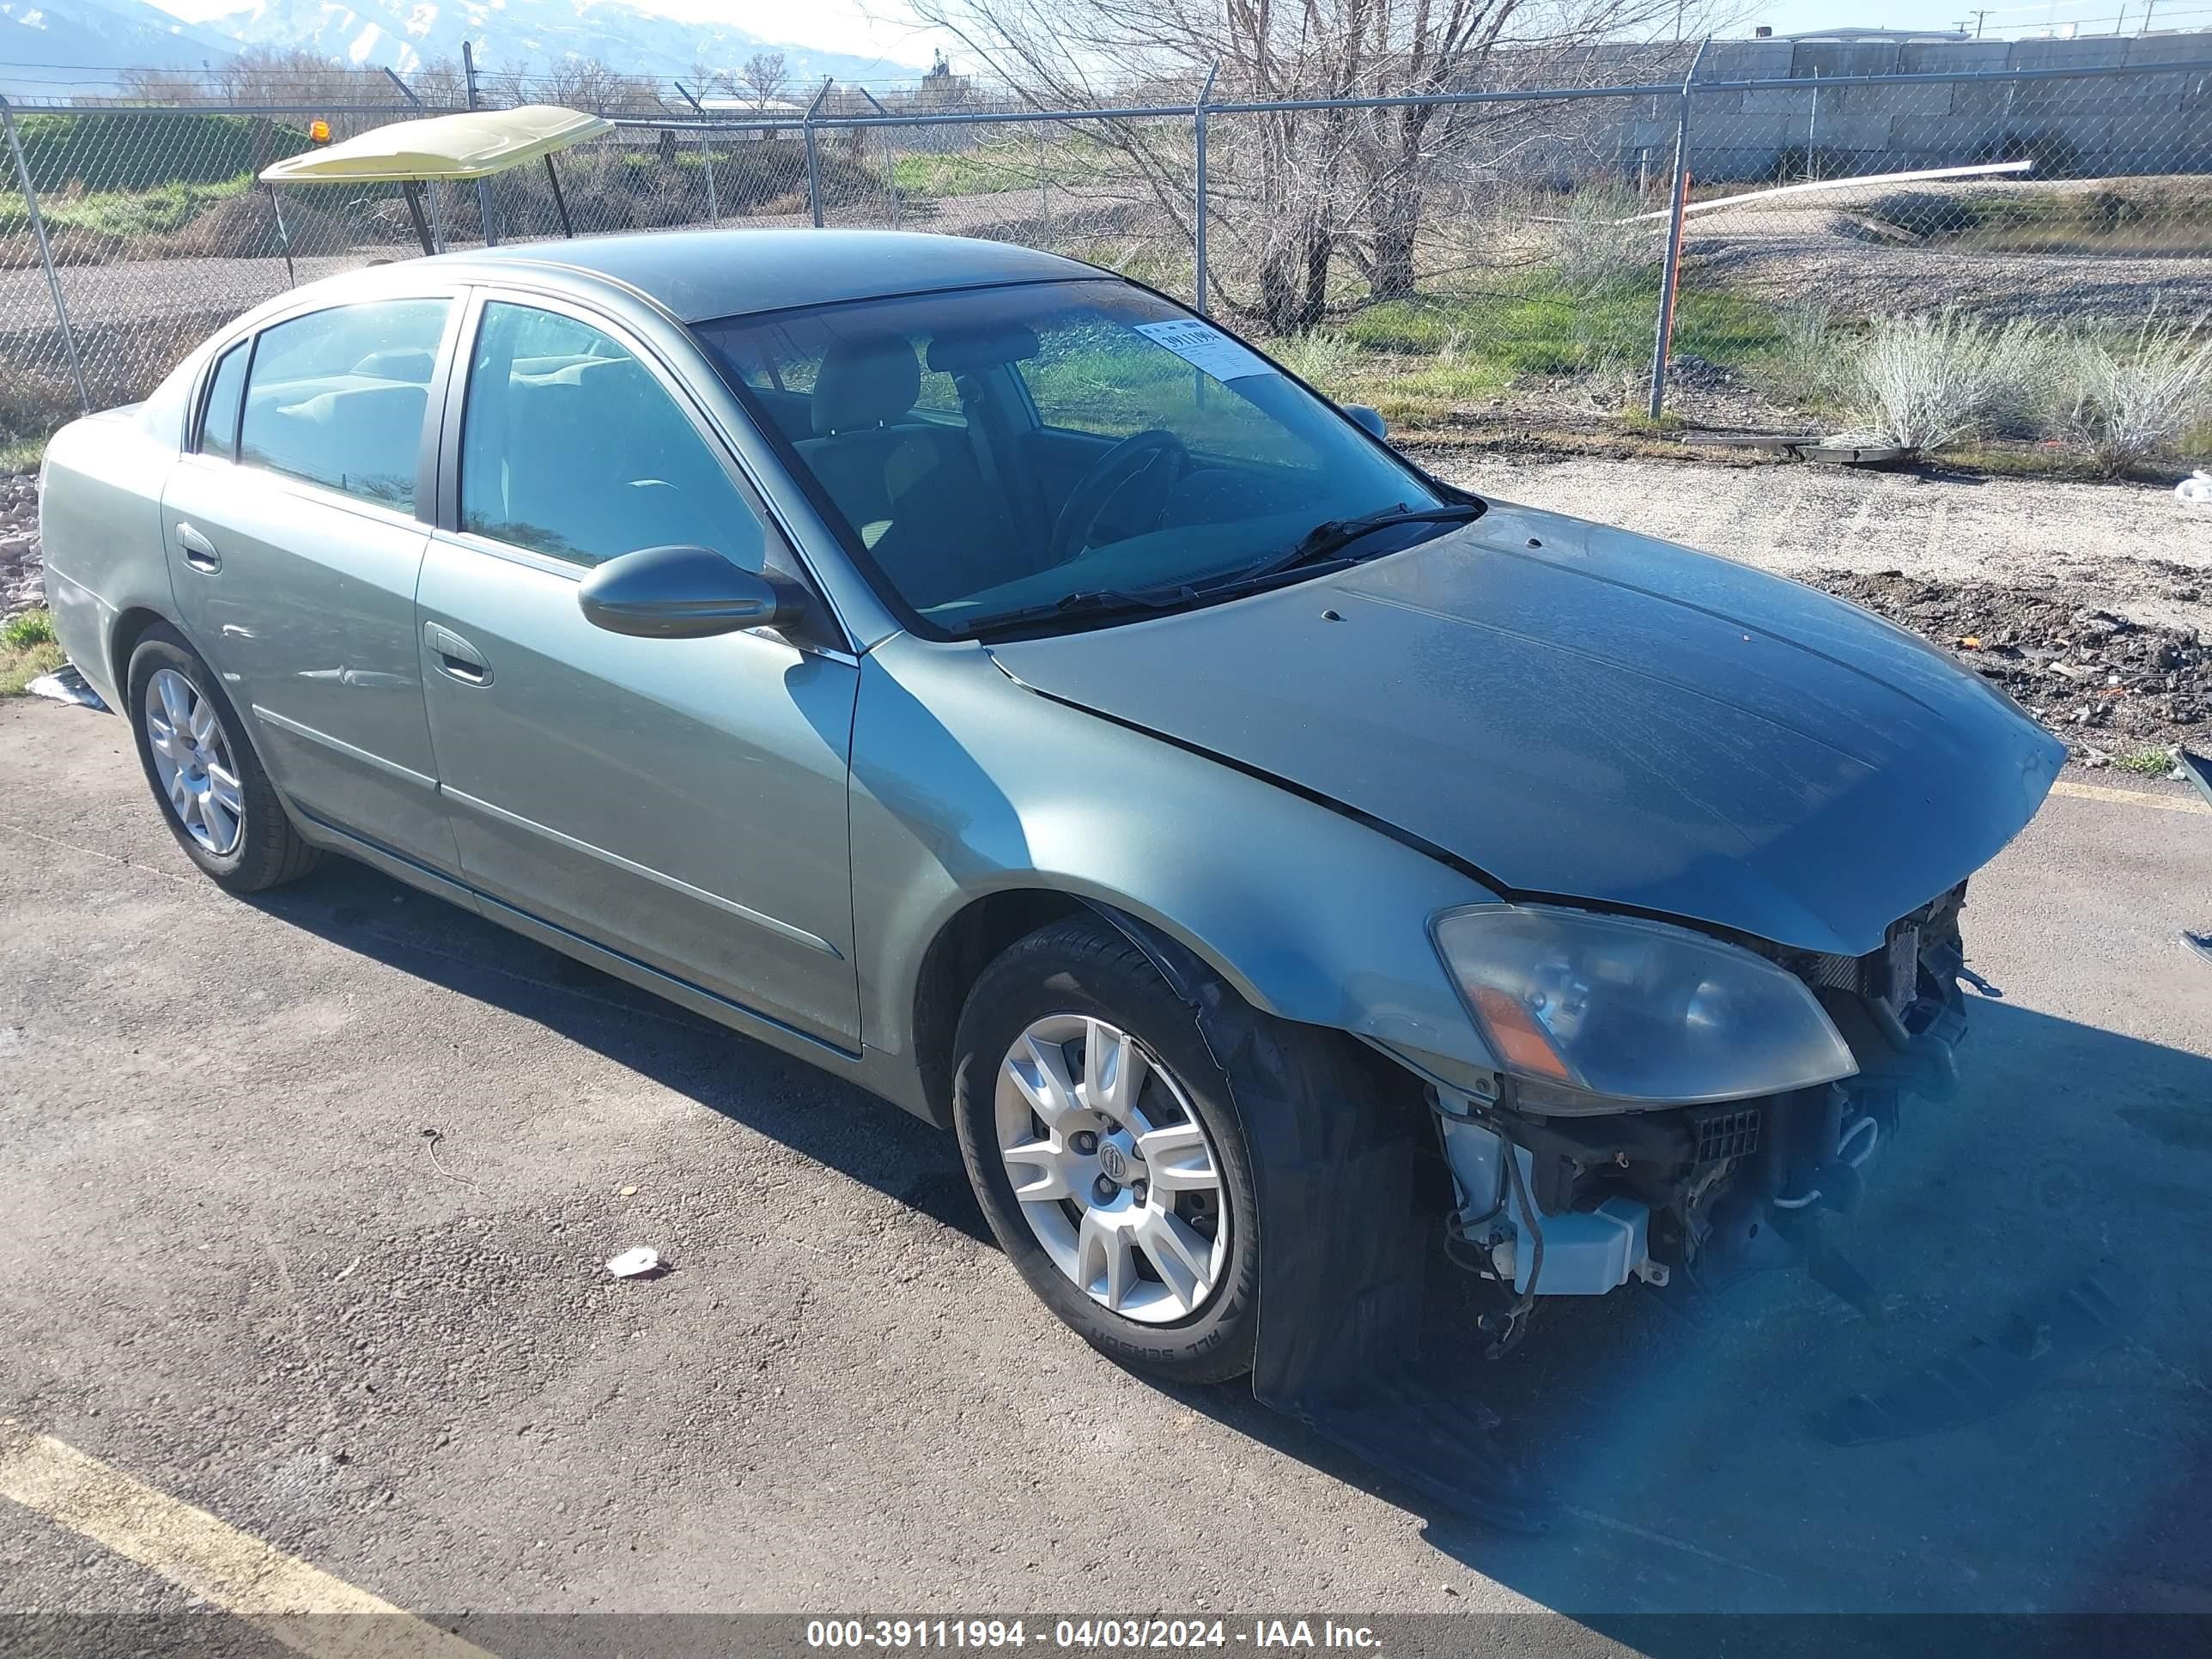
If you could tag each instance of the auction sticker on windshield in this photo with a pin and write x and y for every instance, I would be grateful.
(1207, 347)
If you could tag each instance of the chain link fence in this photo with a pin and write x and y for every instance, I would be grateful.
(1490, 255)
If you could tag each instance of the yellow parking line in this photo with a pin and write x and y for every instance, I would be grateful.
(2130, 797)
(277, 1593)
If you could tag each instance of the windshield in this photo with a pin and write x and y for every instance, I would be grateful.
(1013, 452)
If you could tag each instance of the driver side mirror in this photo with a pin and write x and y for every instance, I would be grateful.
(685, 593)
(1368, 418)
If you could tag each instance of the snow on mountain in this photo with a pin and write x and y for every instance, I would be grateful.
(54, 48)
(518, 34)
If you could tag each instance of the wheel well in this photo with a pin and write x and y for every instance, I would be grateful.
(956, 959)
(129, 627)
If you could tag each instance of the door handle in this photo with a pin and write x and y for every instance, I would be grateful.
(199, 551)
(457, 659)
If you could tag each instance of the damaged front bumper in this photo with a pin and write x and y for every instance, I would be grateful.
(1582, 1203)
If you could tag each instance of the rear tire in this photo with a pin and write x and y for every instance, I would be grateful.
(1079, 1072)
(207, 781)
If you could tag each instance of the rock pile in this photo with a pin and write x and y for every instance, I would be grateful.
(20, 588)
(2109, 686)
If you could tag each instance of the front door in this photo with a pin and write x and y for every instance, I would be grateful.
(294, 551)
(681, 801)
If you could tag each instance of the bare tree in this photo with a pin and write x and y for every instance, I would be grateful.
(440, 84)
(1300, 192)
(765, 78)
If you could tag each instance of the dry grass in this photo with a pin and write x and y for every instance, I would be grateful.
(2133, 394)
(1927, 381)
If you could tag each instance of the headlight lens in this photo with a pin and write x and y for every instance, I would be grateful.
(1635, 1010)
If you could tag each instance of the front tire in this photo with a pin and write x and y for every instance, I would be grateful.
(206, 779)
(1104, 1147)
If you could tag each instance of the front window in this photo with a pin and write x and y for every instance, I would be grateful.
(570, 446)
(1007, 453)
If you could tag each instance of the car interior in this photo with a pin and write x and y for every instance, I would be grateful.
(962, 487)
(608, 465)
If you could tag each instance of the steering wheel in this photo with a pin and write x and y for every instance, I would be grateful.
(1123, 465)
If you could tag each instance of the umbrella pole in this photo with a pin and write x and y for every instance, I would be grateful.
(414, 190)
(560, 201)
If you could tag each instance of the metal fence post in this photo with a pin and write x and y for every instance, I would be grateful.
(1813, 131)
(705, 155)
(483, 187)
(46, 256)
(283, 238)
(1198, 220)
(813, 154)
(1672, 270)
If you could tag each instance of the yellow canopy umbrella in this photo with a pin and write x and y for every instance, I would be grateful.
(473, 145)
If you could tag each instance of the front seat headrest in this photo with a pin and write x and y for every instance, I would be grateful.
(865, 382)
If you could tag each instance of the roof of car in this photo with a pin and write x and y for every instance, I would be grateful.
(703, 274)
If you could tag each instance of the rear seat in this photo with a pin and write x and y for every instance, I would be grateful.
(359, 435)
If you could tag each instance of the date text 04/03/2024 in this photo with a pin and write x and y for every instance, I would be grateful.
(1108, 1635)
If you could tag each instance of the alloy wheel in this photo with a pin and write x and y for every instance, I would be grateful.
(192, 759)
(1113, 1171)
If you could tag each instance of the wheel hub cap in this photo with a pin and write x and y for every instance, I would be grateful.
(192, 760)
(1114, 1172)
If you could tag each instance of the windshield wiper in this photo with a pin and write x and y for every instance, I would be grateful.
(1088, 602)
(1332, 536)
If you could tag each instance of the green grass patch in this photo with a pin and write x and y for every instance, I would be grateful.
(1000, 164)
(2128, 215)
(21, 455)
(1541, 327)
(161, 211)
(1419, 361)
(2149, 763)
(27, 649)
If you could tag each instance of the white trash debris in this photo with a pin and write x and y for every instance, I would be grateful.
(630, 1264)
(66, 684)
(2196, 488)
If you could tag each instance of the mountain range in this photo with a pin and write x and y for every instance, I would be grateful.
(45, 45)
(51, 48)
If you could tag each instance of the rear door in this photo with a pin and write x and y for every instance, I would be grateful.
(681, 801)
(294, 549)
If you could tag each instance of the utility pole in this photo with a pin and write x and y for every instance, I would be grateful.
(1981, 17)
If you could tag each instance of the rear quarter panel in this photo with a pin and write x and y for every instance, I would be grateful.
(99, 529)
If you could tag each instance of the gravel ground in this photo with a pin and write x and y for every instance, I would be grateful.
(20, 587)
(234, 1265)
(2110, 686)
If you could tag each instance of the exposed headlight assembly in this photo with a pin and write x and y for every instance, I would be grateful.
(1633, 1010)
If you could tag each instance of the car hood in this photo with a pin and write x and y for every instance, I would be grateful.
(1583, 714)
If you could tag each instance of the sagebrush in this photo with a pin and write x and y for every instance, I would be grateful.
(1926, 381)
(2134, 393)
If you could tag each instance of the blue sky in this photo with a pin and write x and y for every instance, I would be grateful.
(885, 28)
(2006, 17)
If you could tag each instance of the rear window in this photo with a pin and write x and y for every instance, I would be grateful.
(337, 397)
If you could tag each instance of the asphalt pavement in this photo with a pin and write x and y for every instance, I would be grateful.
(303, 1201)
